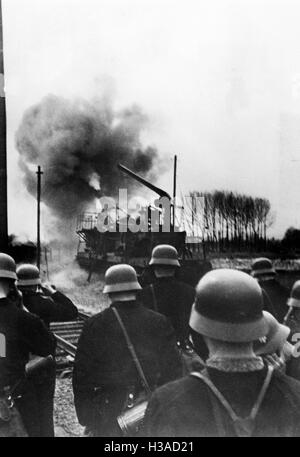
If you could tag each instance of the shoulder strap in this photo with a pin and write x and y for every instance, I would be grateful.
(132, 352)
(262, 392)
(217, 393)
(154, 301)
(217, 415)
(285, 319)
(234, 417)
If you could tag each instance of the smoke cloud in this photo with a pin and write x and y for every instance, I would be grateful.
(21, 249)
(78, 145)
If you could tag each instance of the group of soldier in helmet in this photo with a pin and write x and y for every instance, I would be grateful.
(220, 359)
(27, 353)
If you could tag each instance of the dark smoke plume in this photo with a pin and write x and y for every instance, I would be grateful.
(78, 143)
(21, 251)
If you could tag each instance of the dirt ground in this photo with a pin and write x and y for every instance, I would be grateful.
(65, 419)
(89, 298)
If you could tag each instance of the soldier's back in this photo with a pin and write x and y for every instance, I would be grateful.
(53, 308)
(24, 333)
(148, 332)
(173, 299)
(278, 295)
(184, 407)
(105, 365)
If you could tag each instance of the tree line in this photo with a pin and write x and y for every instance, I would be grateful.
(229, 220)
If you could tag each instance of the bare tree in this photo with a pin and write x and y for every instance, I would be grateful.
(233, 221)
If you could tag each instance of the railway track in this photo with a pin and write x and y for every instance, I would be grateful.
(67, 335)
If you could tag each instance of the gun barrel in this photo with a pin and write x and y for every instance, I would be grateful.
(143, 181)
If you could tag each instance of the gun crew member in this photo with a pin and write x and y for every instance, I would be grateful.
(238, 394)
(42, 299)
(167, 295)
(22, 334)
(105, 377)
(51, 306)
(275, 294)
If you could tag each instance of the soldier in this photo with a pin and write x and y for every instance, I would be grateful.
(22, 334)
(274, 346)
(168, 295)
(292, 320)
(237, 394)
(276, 294)
(105, 376)
(292, 317)
(49, 304)
(277, 350)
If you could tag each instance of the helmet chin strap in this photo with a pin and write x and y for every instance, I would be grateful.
(122, 296)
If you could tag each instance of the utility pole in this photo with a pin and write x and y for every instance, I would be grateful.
(193, 215)
(174, 191)
(3, 160)
(38, 244)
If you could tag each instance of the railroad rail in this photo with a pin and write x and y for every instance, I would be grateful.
(67, 335)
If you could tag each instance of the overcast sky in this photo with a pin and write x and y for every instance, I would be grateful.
(220, 81)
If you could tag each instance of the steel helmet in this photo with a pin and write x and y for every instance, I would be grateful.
(7, 267)
(275, 338)
(228, 307)
(120, 278)
(294, 299)
(164, 254)
(28, 275)
(262, 266)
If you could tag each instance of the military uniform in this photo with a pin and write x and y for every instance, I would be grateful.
(293, 367)
(238, 394)
(277, 295)
(24, 334)
(50, 306)
(173, 299)
(104, 371)
(293, 322)
(183, 408)
(54, 308)
(292, 317)
(167, 295)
